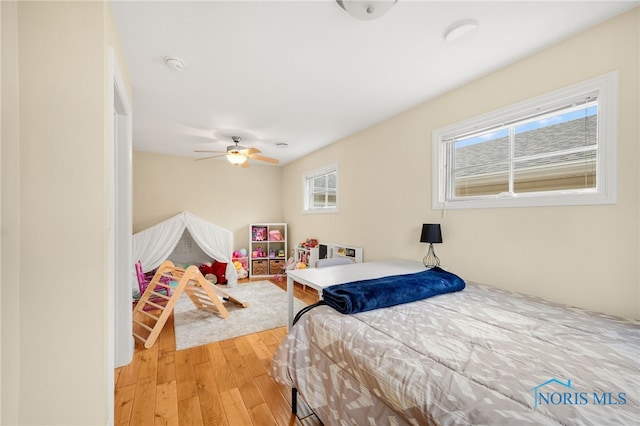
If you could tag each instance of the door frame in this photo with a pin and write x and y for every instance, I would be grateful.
(119, 298)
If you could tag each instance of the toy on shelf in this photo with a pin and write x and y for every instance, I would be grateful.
(308, 252)
(309, 243)
(259, 233)
(258, 252)
(275, 235)
(267, 248)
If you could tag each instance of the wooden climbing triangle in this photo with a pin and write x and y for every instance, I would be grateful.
(147, 324)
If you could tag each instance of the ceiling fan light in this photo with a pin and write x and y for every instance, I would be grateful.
(236, 158)
(366, 10)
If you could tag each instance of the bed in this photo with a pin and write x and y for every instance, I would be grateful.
(480, 356)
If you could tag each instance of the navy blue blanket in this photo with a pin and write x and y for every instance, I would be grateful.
(366, 295)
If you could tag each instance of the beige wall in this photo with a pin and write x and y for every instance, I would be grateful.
(54, 202)
(10, 330)
(55, 367)
(165, 185)
(586, 256)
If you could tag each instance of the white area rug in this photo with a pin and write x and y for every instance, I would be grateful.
(267, 309)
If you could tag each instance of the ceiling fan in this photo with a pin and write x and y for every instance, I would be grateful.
(238, 155)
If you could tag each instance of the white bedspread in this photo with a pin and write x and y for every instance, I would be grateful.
(482, 356)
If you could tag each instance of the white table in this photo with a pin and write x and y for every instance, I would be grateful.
(320, 278)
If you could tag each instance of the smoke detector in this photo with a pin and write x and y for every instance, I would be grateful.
(461, 29)
(175, 64)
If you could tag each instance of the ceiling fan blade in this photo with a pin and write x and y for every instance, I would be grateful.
(211, 156)
(244, 165)
(262, 158)
(211, 152)
(251, 151)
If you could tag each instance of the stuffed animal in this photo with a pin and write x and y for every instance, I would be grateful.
(206, 268)
(310, 243)
(259, 234)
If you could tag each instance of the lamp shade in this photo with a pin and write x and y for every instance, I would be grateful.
(431, 233)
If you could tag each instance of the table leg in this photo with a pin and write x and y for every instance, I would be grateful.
(290, 285)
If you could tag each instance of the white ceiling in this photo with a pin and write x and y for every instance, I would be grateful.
(306, 73)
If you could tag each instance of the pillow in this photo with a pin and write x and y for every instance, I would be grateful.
(219, 269)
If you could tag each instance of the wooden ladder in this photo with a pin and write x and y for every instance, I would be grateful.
(201, 292)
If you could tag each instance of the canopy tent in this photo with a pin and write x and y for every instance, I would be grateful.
(154, 245)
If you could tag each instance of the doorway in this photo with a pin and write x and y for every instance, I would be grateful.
(119, 294)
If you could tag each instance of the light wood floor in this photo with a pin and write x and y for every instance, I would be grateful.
(222, 383)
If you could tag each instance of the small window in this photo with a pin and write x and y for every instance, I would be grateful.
(558, 149)
(321, 190)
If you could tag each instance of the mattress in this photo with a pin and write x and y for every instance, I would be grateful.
(481, 356)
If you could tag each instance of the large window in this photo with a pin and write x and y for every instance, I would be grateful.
(321, 190)
(558, 149)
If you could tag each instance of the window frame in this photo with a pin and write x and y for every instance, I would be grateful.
(307, 191)
(605, 192)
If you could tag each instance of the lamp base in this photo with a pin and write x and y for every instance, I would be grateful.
(431, 260)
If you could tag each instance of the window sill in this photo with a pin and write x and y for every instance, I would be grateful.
(564, 198)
